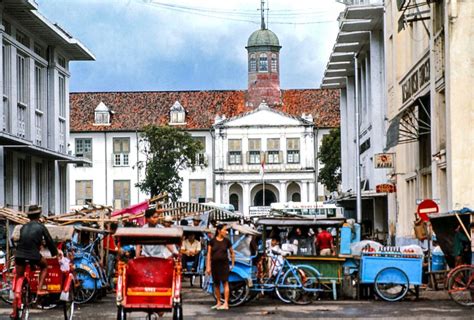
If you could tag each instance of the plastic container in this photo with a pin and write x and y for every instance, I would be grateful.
(438, 262)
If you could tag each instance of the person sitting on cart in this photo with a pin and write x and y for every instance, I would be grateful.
(159, 251)
(461, 247)
(190, 250)
(276, 253)
(324, 242)
(28, 248)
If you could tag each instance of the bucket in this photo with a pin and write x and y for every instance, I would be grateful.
(438, 262)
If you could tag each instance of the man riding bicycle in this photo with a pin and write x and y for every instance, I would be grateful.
(32, 235)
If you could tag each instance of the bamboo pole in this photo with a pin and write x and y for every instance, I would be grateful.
(462, 226)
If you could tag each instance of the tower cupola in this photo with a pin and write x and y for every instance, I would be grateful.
(263, 48)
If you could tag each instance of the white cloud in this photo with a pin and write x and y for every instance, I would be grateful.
(140, 45)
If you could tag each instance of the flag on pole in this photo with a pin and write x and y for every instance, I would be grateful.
(262, 169)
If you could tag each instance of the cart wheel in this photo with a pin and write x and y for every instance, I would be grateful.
(84, 295)
(461, 285)
(391, 284)
(23, 312)
(178, 312)
(68, 306)
(121, 314)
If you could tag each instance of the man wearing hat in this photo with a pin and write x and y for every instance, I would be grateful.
(32, 235)
(196, 221)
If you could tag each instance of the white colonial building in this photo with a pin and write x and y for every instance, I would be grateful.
(35, 112)
(239, 129)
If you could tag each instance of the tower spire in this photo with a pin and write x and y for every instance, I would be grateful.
(262, 11)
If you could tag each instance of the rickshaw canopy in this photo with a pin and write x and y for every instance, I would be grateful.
(193, 229)
(292, 222)
(244, 229)
(149, 235)
(58, 233)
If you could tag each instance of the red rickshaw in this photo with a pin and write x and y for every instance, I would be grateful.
(59, 281)
(149, 284)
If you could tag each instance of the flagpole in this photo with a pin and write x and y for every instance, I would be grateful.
(263, 181)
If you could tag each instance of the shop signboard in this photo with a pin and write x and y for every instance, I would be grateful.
(384, 160)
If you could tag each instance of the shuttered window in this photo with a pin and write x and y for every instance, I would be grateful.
(121, 151)
(197, 191)
(84, 192)
(293, 150)
(254, 154)
(273, 155)
(201, 156)
(121, 194)
(235, 151)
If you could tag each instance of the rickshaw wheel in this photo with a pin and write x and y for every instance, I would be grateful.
(121, 314)
(461, 285)
(83, 295)
(239, 293)
(178, 312)
(7, 283)
(391, 284)
(291, 288)
(24, 311)
(68, 306)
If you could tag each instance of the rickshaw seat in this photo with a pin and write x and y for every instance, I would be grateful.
(150, 272)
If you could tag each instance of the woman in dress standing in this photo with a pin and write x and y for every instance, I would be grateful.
(218, 264)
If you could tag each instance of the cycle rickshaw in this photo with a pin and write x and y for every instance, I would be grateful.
(149, 284)
(460, 280)
(59, 281)
(189, 269)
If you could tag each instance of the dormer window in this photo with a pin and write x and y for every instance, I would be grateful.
(177, 114)
(102, 114)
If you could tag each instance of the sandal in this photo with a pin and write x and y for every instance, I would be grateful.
(217, 306)
(222, 307)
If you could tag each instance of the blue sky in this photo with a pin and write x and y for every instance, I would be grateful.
(141, 45)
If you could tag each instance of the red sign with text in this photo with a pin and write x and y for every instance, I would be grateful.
(426, 207)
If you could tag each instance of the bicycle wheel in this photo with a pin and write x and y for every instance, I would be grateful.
(461, 285)
(87, 287)
(68, 306)
(291, 287)
(7, 283)
(391, 284)
(310, 281)
(24, 310)
(238, 295)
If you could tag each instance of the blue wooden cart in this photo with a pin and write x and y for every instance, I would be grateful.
(391, 273)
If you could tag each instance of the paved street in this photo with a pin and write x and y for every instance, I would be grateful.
(197, 306)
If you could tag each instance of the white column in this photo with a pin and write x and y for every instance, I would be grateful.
(218, 193)
(304, 191)
(283, 192)
(246, 203)
(311, 192)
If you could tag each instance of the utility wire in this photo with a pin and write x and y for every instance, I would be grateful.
(242, 15)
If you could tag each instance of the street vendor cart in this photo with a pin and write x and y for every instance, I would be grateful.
(149, 284)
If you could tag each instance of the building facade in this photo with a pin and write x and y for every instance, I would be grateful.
(35, 112)
(356, 67)
(239, 130)
(430, 106)
(422, 113)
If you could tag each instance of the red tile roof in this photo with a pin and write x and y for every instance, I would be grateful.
(133, 110)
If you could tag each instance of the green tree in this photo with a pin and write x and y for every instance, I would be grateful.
(168, 150)
(330, 158)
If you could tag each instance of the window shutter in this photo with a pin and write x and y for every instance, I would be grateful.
(280, 157)
(266, 157)
(126, 145)
(228, 157)
(248, 157)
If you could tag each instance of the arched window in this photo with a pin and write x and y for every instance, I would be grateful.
(274, 63)
(252, 63)
(234, 200)
(263, 62)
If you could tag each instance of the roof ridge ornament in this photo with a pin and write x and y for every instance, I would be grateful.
(263, 105)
